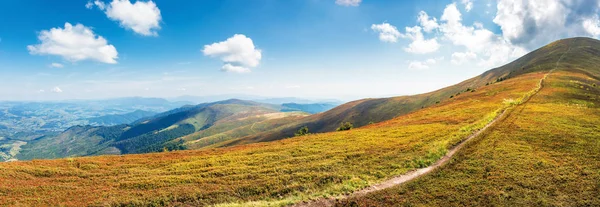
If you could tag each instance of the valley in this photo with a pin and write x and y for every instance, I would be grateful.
(142, 132)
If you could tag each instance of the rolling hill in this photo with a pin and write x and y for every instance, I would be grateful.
(313, 108)
(533, 122)
(545, 153)
(153, 134)
(363, 112)
(116, 119)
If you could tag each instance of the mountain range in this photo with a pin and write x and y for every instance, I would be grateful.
(524, 134)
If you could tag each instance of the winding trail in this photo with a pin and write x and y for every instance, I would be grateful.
(401, 178)
(423, 171)
(252, 127)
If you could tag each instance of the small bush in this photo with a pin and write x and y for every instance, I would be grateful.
(345, 126)
(302, 131)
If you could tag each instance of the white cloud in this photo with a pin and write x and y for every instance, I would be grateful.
(74, 43)
(99, 4)
(421, 65)
(238, 53)
(56, 90)
(89, 5)
(533, 23)
(387, 32)
(419, 44)
(234, 69)
(468, 4)
(492, 49)
(459, 58)
(142, 17)
(524, 25)
(592, 25)
(56, 65)
(348, 2)
(428, 24)
(182, 89)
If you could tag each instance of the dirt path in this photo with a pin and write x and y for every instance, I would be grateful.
(402, 178)
(252, 127)
(423, 171)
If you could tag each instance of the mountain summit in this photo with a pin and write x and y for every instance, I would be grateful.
(584, 57)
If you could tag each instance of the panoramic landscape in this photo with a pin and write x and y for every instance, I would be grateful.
(300, 103)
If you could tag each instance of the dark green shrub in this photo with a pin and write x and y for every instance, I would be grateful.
(302, 131)
(345, 126)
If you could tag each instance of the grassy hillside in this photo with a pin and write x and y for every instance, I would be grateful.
(278, 172)
(546, 153)
(116, 119)
(156, 133)
(543, 152)
(363, 112)
(236, 127)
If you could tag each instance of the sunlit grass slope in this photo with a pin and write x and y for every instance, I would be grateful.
(159, 132)
(237, 126)
(545, 153)
(279, 172)
(362, 112)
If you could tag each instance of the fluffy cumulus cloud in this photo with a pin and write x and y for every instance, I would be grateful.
(238, 53)
(142, 17)
(592, 26)
(492, 48)
(428, 24)
(348, 2)
(524, 25)
(477, 44)
(387, 32)
(74, 43)
(419, 44)
(536, 22)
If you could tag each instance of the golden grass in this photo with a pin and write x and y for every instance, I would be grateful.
(545, 153)
(275, 173)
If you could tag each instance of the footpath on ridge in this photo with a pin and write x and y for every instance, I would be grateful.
(400, 179)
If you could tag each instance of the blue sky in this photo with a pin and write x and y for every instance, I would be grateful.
(326, 49)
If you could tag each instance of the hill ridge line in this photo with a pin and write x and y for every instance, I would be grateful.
(411, 175)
